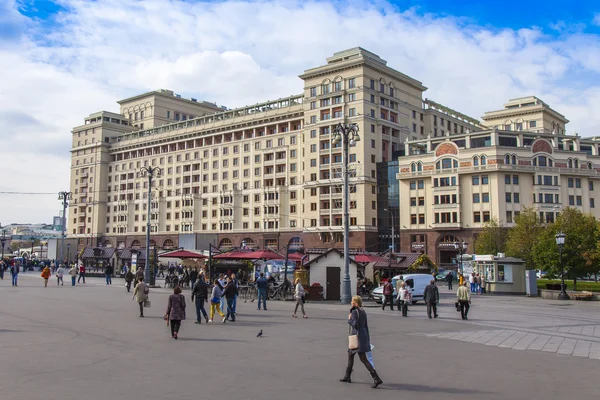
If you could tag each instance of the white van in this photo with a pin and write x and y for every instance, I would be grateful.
(416, 283)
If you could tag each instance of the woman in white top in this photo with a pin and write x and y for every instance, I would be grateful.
(403, 299)
(299, 294)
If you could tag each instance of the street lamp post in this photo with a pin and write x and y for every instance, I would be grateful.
(392, 248)
(68, 254)
(347, 135)
(560, 241)
(150, 172)
(461, 247)
(65, 197)
(3, 242)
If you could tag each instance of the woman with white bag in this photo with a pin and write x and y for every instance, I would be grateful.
(359, 341)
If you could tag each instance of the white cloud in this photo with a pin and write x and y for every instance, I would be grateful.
(236, 53)
(596, 20)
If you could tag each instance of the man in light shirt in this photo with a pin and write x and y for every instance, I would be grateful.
(464, 300)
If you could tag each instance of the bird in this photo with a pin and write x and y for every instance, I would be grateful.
(259, 333)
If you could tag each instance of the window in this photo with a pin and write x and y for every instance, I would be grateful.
(571, 200)
(413, 201)
(579, 200)
(532, 124)
(570, 182)
(507, 179)
(508, 197)
(475, 179)
(591, 186)
(509, 217)
(476, 198)
(578, 183)
(516, 198)
(421, 184)
(592, 203)
(515, 179)
(413, 185)
(477, 216)
(351, 83)
(486, 216)
(485, 197)
(484, 179)
(421, 218)
(413, 219)
(504, 273)
(421, 201)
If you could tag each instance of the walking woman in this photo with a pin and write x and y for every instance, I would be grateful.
(299, 296)
(215, 301)
(357, 319)
(140, 294)
(46, 275)
(175, 311)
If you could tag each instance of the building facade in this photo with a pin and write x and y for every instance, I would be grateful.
(451, 186)
(263, 174)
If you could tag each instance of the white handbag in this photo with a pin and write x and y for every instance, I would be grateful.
(353, 339)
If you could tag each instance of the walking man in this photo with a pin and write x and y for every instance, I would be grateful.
(449, 279)
(108, 272)
(73, 273)
(263, 288)
(464, 300)
(81, 273)
(398, 286)
(128, 279)
(193, 277)
(431, 295)
(59, 275)
(237, 287)
(388, 294)
(200, 296)
(229, 294)
(14, 273)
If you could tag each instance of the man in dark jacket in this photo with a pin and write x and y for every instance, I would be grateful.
(193, 277)
(449, 279)
(388, 294)
(229, 294)
(128, 279)
(431, 295)
(262, 285)
(200, 294)
(108, 273)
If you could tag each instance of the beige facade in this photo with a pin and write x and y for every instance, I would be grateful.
(450, 187)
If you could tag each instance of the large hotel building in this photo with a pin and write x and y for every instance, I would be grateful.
(266, 173)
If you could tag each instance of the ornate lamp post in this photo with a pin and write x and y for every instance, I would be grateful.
(65, 197)
(150, 172)
(3, 242)
(347, 135)
(461, 247)
(560, 242)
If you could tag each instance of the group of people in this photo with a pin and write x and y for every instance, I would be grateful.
(477, 282)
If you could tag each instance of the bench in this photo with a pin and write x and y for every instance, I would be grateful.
(583, 295)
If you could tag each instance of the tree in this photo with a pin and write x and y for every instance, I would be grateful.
(523, 236)
(493, 238)
(582, 234)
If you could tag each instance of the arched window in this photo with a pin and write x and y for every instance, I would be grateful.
(413, 167)
(475, 161)
(107, 243)
(225, 243)
(576, 163)
(168, 244)
(419, 166)
(152, 243)
(540, 161)
(570, 163)
(135, 244)
(507, 159)
(514, 159)
(446, 163)
(590, 165)
(483, 160)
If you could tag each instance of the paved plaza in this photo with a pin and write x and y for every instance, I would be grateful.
(86, 342)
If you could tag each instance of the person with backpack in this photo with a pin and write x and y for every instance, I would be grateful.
(388, 295)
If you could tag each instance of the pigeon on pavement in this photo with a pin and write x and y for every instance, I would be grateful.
(259, 333)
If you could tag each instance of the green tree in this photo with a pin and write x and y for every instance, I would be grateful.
(582, 234)
(493, 238)
(523, 236)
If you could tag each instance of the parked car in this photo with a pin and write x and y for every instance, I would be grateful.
(416, 283)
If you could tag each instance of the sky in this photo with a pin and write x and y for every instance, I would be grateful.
(63, 60)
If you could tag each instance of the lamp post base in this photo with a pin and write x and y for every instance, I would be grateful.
(346, 297)
(563, 292)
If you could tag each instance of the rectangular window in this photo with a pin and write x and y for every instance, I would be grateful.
(571, 200)
(591, 186)
(421, 218)
(351, 83)
(516, 198)
(421, 184)
(477, 216)
(486, 216)
(475, 179)
(570, 182)
(592, 203)
(476, 198)
(579, 200)
(578, 183)
(413, 185)
(485, 197)
(509, 217)
(507, 179)
(484, 179)
(508, 197)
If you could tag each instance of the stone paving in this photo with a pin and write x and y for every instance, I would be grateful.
(86, 342)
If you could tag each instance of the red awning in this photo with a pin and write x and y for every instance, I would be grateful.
(295, 257)
(183, 254)
(250, 255)
(368, 258)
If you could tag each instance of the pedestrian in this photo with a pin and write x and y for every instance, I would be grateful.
(403, 299)
(2, 267)
(449, 279)
(108, 271)
(237, 288)
(128, 279)
(464, 301)
(357, 319)
(161, 271)
(483, 290)
(299, 295)
(140, 294)
(46, 273)
(175, 311)
(479, 284)
(223, 282)
(461, 279)
(388, 294)
(81, 273)
(262, 286)
(215, 300)
(399, 283)
(14, 273)
(472, 282)
(200, 296)
(229, 294)
(73, 273)
(139, 273)
(431, 295)
(193, 277)
(60, 271)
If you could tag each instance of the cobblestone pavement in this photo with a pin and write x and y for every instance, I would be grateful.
(86, 342)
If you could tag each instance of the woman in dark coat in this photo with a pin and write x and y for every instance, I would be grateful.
(175, 311)
(357, 319)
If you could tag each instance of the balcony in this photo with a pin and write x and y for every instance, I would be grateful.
(447, 225)
(446, 206)
(442, 189)
(84, 175)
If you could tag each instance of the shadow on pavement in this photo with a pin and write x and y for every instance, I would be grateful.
(183, 339)
(428, 389)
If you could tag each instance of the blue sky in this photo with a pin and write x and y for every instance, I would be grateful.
(62, 61)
